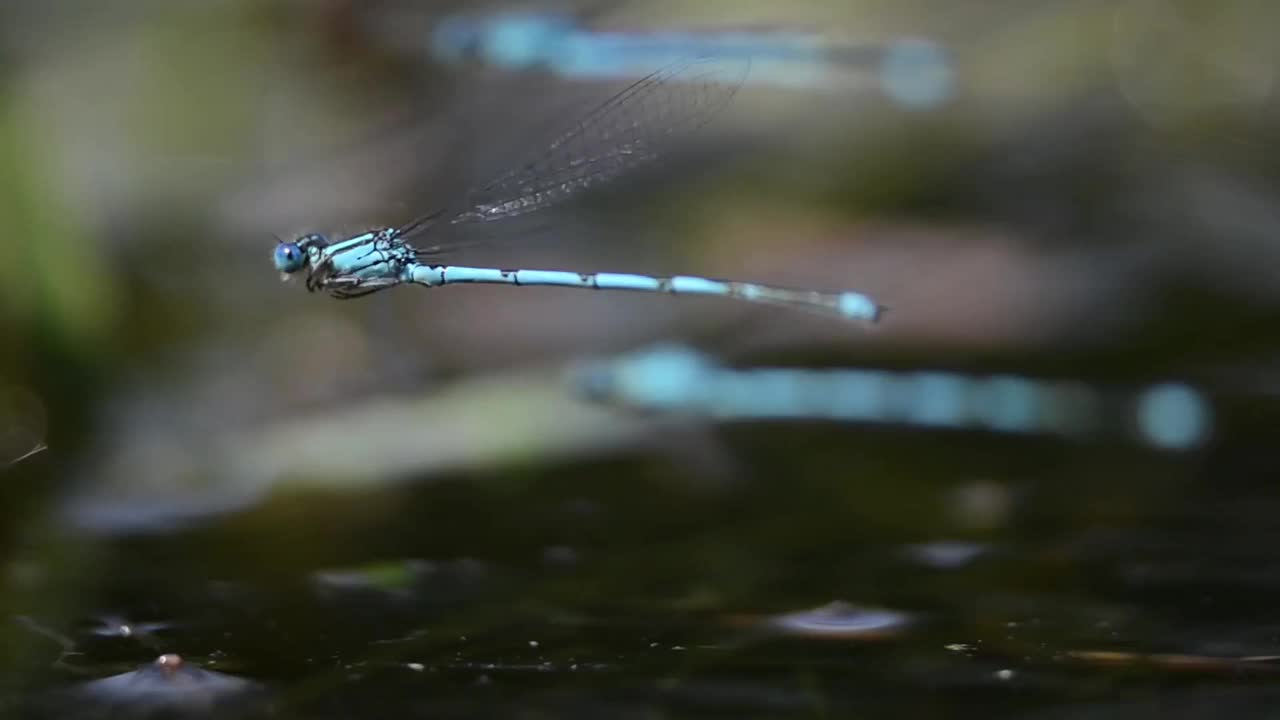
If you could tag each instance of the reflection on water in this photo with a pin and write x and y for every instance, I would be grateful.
(680, 380)
(914, 72)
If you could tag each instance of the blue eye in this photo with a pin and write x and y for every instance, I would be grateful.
(289, 257)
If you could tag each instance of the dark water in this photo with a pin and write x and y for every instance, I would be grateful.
(960, 577)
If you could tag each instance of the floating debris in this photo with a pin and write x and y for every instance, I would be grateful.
(115, 626)
(168, 687)
(947, 554)
(23, 425)
(1177, 661)
(834, 621)
(396, 577)
(36, 450)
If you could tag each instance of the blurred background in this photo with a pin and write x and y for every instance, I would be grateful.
(1042, 485)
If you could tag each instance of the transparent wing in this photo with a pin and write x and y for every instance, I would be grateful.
(632, 128)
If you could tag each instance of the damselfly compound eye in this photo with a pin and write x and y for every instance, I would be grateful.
(289, 258)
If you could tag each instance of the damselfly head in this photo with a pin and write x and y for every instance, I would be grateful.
(289, 258)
